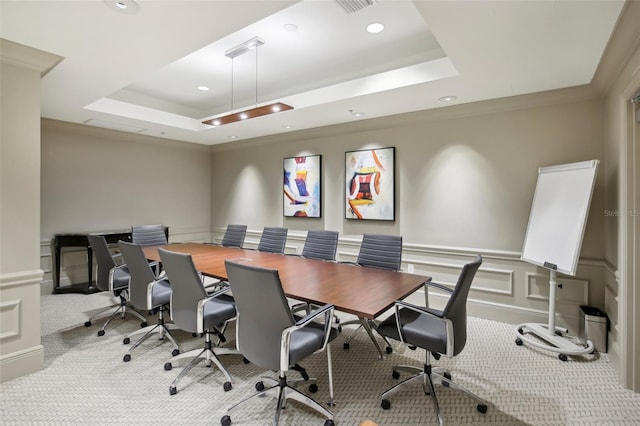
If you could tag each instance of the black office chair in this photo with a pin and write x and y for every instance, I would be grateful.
(147, 292)
(273, 240)
(320, 244)
(194, 311)
(377, 251)
(234, 236)
(148, 235)
(113, 278)
(269, 336)
(439, 332)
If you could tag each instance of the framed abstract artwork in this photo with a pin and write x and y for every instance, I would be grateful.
(370, 184)
(302, 186)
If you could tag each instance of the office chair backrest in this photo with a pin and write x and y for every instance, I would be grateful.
(320, 244)
(104, 260)
(186, 288)
(263, 313)
(456, 308)
(234, 236)
(140, 273)
(148, 235)
(381, 251)
(273, 240)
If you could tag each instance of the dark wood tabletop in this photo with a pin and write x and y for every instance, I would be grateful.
(365, 292)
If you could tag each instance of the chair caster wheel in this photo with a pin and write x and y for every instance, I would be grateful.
(260, 386)
(482, 408)
(87, 324)
(246, 361)
(412, 347)
(558, 333)
(194, 334)
(167, 366)
(175, 352)
(101, 333)
(385, 404)
(126, 341)
(339, 329)
(313, 388)
(126, 358)
(520, 330)
(227, 386)
(563, 357)
(388, 349)
(519, 341)
(446, 375)
(143, 324)
(329, 423)
(225, 421)
(173, 390)
(345, 345)
(395, 374)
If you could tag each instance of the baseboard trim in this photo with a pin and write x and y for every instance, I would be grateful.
(20, 363)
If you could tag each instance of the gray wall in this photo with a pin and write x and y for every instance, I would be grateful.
(98, 180)
(463, 182)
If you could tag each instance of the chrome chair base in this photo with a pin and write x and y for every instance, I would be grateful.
(429, 377)
(120, 309)
(161, 329)
(209, 354)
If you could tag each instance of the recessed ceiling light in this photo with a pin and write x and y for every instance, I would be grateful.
(232, 137)
(288, 126)
(356, 113)
(123, 6)
(375, 28)
(203, 88)
(448, 98)
(216, 122)
(290, 27)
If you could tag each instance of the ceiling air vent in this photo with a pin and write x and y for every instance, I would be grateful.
(352, 6)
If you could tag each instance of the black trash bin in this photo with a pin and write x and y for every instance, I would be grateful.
(594, 326)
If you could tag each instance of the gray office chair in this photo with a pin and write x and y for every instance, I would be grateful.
(194, 311)
(273, 240)
(377, 251)
(320, 244)
(439, 332)
(269, 336)
(148, 235)
(234, 236)
(111, 277)
(146, 292)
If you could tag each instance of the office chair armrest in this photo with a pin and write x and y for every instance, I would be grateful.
(438, 286)
(201, 304)
(326, 310)
(218, 293)
(117, 258)
(399, 304)
(150, 291)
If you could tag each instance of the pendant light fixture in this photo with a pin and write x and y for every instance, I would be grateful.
(257, 111)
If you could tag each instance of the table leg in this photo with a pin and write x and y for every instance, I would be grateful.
(367, 327)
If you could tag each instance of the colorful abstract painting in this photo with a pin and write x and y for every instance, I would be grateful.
(302, 186)
(369, 184)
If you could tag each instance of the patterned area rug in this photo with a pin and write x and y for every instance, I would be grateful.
(85, 381)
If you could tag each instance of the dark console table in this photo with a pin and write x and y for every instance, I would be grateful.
(81, 240)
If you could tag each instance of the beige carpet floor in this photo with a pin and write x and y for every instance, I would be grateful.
(85, 381)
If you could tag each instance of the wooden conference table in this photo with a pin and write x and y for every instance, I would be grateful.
(361, 291)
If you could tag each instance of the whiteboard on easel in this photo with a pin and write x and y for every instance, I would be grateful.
(558, 215)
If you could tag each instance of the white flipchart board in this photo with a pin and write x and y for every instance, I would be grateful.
(559, 215)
